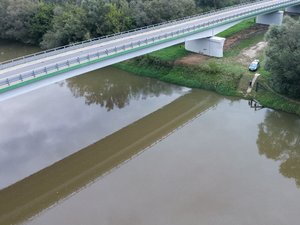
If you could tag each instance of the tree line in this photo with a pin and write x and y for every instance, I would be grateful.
(283, 57)
(51, 23)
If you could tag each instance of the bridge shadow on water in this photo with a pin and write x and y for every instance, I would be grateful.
(279, 140)
(31, 195)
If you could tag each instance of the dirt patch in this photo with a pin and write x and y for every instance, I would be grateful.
(244, 34)
(194, 59)
(249, 54)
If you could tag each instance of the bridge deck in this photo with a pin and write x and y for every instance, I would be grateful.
(17, 71)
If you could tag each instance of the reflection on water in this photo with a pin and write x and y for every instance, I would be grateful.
(208, 172)
(46, 125)
(70, 174)
(12, 49)
(117, 91)
(279, 139)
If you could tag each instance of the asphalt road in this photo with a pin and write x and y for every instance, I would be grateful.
(160, 30)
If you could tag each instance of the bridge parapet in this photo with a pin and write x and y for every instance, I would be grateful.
(30, 72)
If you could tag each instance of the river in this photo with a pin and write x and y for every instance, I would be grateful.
(112, 148)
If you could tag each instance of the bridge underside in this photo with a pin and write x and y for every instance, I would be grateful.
(196, 38)
(293, 9)
(206, 43)
(274, 18)
(213, 46)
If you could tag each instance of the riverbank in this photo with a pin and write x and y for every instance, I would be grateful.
(227, 76)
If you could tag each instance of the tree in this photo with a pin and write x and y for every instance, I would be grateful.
(68, 26)
(116, 20)
(15, 17)
(52, 23)
(40, 23)
(156, 11)
(95, 16)
(283, 57)
(219, 3)
(3, 16)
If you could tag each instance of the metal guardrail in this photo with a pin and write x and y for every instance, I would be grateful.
(39, 72)
(90, 42)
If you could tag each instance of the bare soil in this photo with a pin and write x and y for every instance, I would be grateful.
(251, 53)
(194, 59)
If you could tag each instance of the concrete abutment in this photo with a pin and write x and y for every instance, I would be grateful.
(211, 46)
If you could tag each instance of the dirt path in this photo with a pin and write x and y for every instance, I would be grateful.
(194, 59)
(252, 83)
(251, 53)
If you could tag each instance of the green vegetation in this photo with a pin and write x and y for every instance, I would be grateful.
(176, 52)
(219, 3)
(50, 23)
(170, 54)
(282, 57)
(237, 28)
(226, 76)
(211, 75)
(243, 44)
(272, 100)
(269, 98)
(220, 75)
(267, 94)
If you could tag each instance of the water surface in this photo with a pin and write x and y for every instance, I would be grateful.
(46, 125)
(231, 165)
(111, 148)
(11, 49)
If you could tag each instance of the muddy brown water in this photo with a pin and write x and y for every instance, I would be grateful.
(111, 148)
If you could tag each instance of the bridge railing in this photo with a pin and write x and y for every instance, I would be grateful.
(90, 42)
(88, 58)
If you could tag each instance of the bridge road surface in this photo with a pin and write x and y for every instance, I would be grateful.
(148, 33)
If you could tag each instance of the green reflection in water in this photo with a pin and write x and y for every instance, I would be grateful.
(112, 88)
(11, 49)
(279, 140)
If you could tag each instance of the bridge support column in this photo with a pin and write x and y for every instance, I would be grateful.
(212, 46)
(274, 18)
(293, 9)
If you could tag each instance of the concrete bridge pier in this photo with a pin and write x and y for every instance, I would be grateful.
(274, 18)
(293, 9)
(211, 46)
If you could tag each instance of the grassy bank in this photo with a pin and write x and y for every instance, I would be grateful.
(269, 98)
(210, 75)
(226, 76)
(237, 28)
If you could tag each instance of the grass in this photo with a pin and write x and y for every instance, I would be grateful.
(170, 54)
(225, 76)
(275, 101)
(211, 75)
(237, 28)
(178, 51)
(243, 44)
(269, 98)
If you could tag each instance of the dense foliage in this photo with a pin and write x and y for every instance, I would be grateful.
(52, 23)
(283, 57)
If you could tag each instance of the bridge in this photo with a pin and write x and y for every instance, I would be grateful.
(198, 32)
